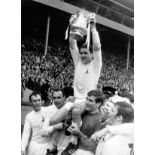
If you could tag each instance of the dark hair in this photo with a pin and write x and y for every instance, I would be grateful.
(34, 94)
(109, 91)
(68, 91)
(57, 90)
(98, 96)
(129, 96)
(85, 46)
(126, 111)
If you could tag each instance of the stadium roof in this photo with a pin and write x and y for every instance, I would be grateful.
(110, 13)
(121, 11)
(34, 19)
(125, 7)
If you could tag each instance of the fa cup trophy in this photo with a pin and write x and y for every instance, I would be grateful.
(79, 26)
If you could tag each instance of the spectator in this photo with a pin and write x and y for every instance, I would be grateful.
(113, 74)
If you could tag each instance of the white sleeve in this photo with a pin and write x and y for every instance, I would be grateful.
(74, 50)
(97, 49)
(96, 40)
(46, 129)
(123, 129)
(101, 133)
(26, 134)
(97, 60)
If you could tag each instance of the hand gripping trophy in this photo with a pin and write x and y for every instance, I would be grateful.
(80, 26)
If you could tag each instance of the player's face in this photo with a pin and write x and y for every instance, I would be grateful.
(91, 104)
(112, 111)
(36, 102)
(85, 55)
(58, 99)
(50, 95)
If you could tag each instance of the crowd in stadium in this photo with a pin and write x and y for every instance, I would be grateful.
(39, 74)
(38, 70)
(81, 95)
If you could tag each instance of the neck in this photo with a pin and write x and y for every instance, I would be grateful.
(37, 110)
(94, 111)
(117, 123)
(60, 106)
(86, 63)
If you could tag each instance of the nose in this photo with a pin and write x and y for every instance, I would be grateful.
(37, 102)
(82, 55)
(87, 102)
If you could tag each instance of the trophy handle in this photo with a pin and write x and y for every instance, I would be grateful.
(92, 17)
(73, 19)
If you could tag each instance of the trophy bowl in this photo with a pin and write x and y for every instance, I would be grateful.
(78, 33)
(79, 26)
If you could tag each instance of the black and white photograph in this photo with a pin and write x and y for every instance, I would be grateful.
(77, 77)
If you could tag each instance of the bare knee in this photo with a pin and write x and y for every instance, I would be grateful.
(76, 112)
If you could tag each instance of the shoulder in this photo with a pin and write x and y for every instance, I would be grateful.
(123, 128)
(97, 118)
(45, 110)
(29, 115)
(50, 110)
(51, 107)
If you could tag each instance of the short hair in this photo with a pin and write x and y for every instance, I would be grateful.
(129, 96)
(126, 111)
(34, 94)
(109, 91)
(68, 91)
(97, 94)
(57, 90)
(85, 46)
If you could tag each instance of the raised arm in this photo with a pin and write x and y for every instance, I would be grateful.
(96, 39)
(96, 47)
(74, 50)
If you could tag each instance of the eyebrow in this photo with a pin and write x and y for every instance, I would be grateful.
(83, 52)
(36, 100)
(89, 99)
(57, 97)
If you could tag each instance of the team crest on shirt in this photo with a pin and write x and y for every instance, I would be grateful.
(86, 71)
